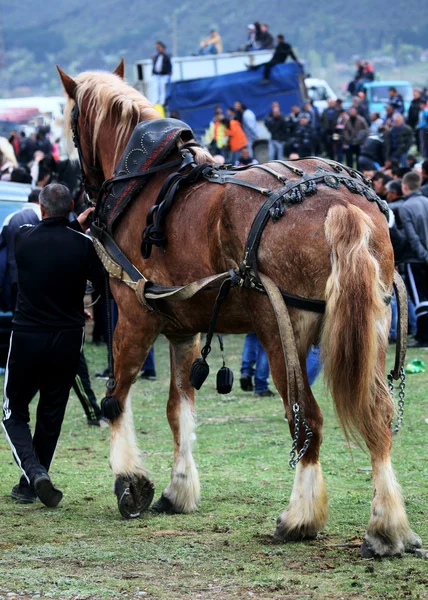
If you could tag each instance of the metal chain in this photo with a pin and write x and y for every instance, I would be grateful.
(401, 395)
(295, 458)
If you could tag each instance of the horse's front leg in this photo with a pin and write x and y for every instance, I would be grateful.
(132, 342)
(182, 493)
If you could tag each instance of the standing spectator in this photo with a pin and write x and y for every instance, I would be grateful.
(283, 50)
(245, 158)
(372, 154)
(27, 149)
(396, 100)
(237, 137)
(29, 215)
(303, 142)
(162, 69)
(255, 363)
(53, 263)
(313, 114)
(263, 37)
(277, 126)
(354, 134)
(212, 44)
(375, 122)
(14, 140)
(43, 142)
(422, 129)
(248, 122)
(338, 135)
(424, 175)
(328, 125)
(215, 137)
(398, 141)
(389, 113)
(414, 108)
(83, 389)
(363, 107)
(414, 218)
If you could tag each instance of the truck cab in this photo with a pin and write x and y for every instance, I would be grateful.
(377, 94)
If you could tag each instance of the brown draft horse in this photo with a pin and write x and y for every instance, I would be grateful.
(333, 246)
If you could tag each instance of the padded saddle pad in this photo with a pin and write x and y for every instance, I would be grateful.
(150, 143)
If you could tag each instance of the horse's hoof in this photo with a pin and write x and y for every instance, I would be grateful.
(134, 495)
(414, 543)
(164, 505)
(366, 551)
(379, 546)
(297, 534)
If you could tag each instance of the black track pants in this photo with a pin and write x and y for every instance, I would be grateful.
(46, 362)
(85, 393)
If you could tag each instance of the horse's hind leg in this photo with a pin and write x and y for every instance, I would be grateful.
(182, 493)
(306, 513)
(132, 342)
(388, 532)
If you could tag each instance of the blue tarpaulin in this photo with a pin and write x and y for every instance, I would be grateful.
(195, 99)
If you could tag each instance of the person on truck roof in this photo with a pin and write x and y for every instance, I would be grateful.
(283, 50)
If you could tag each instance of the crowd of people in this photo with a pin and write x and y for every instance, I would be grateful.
(365, 141)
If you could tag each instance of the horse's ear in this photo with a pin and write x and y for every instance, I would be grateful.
(120, 69)
(68, 83)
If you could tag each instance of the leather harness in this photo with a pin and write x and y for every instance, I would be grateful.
(116, 194)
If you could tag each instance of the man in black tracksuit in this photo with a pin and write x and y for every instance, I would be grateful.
(54, 262)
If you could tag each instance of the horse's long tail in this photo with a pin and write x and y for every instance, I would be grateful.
(356, 324)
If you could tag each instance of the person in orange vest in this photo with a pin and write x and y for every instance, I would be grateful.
(236, 135)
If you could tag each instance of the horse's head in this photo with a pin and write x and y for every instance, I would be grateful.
(100, 114)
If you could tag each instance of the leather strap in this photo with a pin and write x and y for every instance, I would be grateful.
(116, 255)
(295, 384)
(402, 311)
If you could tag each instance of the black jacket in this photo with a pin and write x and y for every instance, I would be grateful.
(373, 148)
(414, 218)
(166, 65)
(278, 127)
(282, 52)
(303, 140)
(413, 114)
(54, 260)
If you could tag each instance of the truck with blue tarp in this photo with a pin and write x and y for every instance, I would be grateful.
(195, 99)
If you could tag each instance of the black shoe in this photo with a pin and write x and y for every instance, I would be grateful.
(102, 374)
(417, 344)
(23, 494)
(46, 491)
(246, 383)
(265, 394)
(101, 422)
(149, 375)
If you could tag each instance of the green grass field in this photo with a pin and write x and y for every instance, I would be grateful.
(85, 550)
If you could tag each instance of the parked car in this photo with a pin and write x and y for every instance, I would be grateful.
(13, 197)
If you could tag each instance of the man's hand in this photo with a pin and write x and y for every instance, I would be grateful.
(83, 218)
(88, 316)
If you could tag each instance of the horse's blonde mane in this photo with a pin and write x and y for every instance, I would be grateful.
(105, 94)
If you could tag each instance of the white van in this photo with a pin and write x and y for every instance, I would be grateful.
(320, 92)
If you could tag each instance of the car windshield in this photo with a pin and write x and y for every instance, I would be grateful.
(380, 94)
(317, 93)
